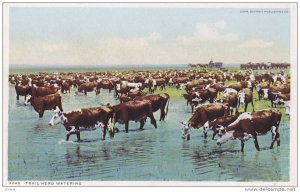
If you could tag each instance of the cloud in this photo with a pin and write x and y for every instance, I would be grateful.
(257, 43)
(155, 36)
(220, 24)
(54, 47)
(214, 32)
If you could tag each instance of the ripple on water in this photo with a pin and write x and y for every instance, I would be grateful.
(38, 151)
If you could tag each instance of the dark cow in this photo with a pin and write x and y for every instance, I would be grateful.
(88, 87)
(245, 97)
(22, 90)
(84, 119)
(133, 94)
(236, 86)
(105, 84)
(65, 87)
(283, 97)
(268, 78)
(285, 100)
(154, 83)
(204, 113)
(274, 91)
(43, 91)
(260, 89)
(281, 88)
(272, 96)
(121, 89)
(124, 98)
(178, 80)
(218, 86)
(250, 125)
(231, 98)
(133, 111)
(47, 102)
(158, 101)
(220, 121)
(200, 96)
(195, 83)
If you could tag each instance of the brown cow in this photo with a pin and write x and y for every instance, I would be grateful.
(158, 101)
(200, 96)
(245, 97)
(236, 86)
(133, 111)
(231, 98)
(272, 92)
(43, 91)
(130, 96)
(133, 94)
(105, 84)
(220, 121)
(195, 83)
(204, 113)
(250, 125)
(65, 87)
(124, 98)
(84, 119)
(284, 97)
(260, 89)
(121, 89)
(218, 86)
(154, 83)
(88, 87)
(22, 90)
(47, 102)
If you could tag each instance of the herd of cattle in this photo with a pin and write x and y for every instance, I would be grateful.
(215, 106)
(257, 66)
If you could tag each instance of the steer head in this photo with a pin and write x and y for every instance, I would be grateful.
(249, 84)
(277, 99)
(266, 91)
(186, 130)
(58, 117)
(224, 136)
(258, 87)
(111, 126)
(206, 128)
(241, 97)
(227, 91)
(28, 100)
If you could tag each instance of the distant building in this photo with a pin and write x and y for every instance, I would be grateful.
(212, 64)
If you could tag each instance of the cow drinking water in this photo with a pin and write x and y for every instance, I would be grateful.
(250, 125)
(204, 113)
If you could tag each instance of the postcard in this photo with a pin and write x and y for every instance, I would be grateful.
(150, 94)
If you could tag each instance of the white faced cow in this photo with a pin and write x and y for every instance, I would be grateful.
(250, 125)
(83, 120)
(245, 97)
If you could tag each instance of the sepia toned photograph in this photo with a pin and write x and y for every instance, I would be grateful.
(149, 94)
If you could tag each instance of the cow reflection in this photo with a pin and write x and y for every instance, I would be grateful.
(77, 156)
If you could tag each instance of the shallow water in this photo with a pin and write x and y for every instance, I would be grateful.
(37, 151)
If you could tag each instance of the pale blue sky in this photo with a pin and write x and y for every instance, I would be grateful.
(146, 35)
